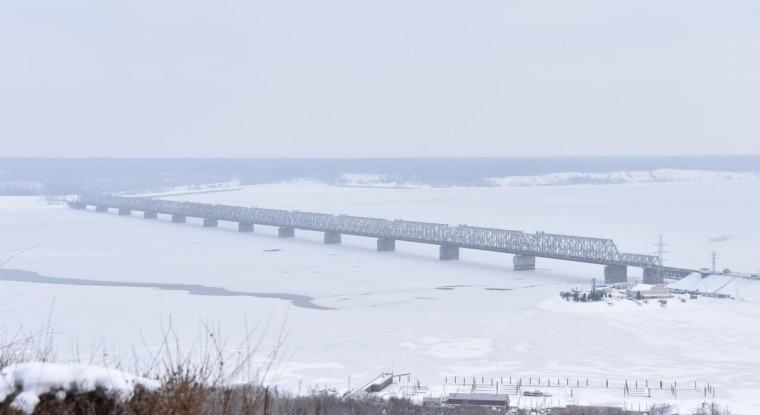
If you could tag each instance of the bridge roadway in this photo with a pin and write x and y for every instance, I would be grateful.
(525, 246)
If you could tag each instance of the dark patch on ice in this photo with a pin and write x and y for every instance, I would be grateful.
(721, 238)
(451, 287)
(513, 288)
(272, 250)
(388, 304)
(17, 275)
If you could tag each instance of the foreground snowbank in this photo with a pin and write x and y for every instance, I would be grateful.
(37, 378)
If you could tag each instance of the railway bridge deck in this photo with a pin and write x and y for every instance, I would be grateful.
(524, 246)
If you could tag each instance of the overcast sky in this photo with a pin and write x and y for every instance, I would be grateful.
(378, 78)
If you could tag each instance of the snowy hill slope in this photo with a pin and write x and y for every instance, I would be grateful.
(736, 287)
(623, 177)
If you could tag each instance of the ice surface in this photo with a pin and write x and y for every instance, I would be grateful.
(406, 311)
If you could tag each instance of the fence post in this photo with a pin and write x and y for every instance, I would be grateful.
(266, 401)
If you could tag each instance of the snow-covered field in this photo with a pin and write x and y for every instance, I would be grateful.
(403, 311)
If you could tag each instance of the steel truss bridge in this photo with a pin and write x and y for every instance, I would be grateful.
(540, 244)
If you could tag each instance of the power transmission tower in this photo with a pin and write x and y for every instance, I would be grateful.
(661, 250)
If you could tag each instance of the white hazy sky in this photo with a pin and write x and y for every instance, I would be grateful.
(394, 78)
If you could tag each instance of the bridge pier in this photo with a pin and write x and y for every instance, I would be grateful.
(210, 223)
(245, 227)
(653, 276)
(124, 212)
(101, 208)
(615, 273)
(386, 245)
(332, 238)
(286, 232)
(524, 262)
(179, 218)
(446, 252)
(150, 215)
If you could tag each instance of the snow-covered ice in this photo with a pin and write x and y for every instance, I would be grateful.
(405, 311)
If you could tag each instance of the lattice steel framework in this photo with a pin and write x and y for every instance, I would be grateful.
(570, 248)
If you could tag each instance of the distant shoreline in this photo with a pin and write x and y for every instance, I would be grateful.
(35, 176)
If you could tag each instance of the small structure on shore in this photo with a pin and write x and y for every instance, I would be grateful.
(379, 383)
(648, 292)
(478, 399)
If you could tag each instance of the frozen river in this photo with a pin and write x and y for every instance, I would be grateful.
(116, 283)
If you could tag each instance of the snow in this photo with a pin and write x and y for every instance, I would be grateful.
(25, 402)
(737, 287)
(623, 177)
(373, 180)
(406, 311)
(193, 189)
(33, 379)
(21, 187)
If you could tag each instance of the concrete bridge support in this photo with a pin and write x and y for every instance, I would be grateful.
(446, 252)
(615, 273)
(332, 238)
(524, 262)
(653, 276)
(386, 245)
(101, 208)
(179, 218)
(210, 223)
(150, 215)
(245, 227)
(286, 232)
(124, 212)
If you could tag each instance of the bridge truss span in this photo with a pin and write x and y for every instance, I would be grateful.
(540, 244)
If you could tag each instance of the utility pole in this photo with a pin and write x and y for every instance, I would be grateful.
(714, 255)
